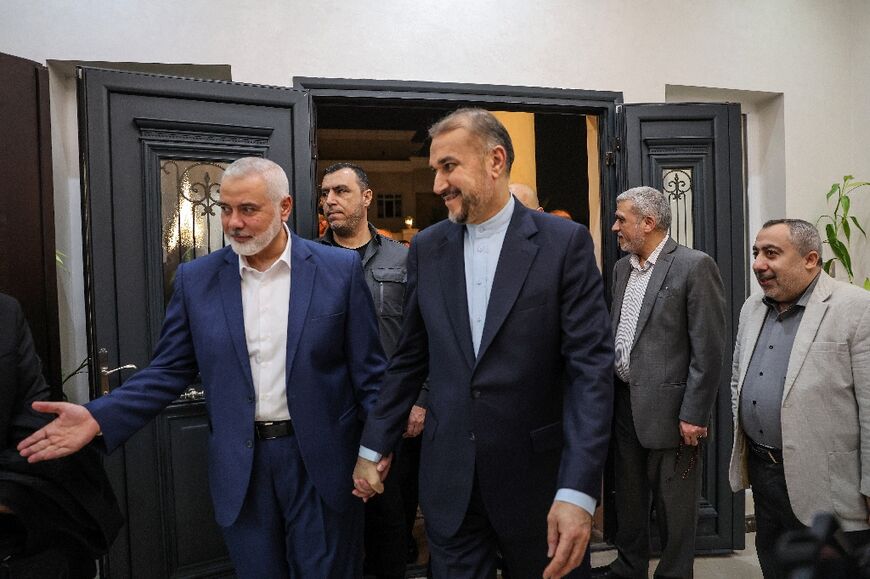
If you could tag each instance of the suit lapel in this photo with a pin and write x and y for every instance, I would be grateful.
(231, 296)
(623, 270)
(659, 272)
(302, 274)
(809, 326)
(754, 321)
(514, 262)
(452, 269)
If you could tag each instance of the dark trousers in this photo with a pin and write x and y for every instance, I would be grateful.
(34, 543)
(408, 465)
(774, 515)
(472, 552)
(386, 544)
(284, 529)
(662, 477)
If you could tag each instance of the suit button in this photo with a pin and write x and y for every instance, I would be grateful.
(475, 393)
(250, 398)
(471, 436)
(249, 443)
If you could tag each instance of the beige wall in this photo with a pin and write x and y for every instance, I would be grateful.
(815, 54)
(859, 135)
(521, 127)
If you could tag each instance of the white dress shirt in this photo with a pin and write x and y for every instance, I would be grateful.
(265, 303)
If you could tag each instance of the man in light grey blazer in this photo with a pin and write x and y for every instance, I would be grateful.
(800, 392)
(668, 317)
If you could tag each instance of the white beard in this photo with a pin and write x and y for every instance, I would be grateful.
(257, 243)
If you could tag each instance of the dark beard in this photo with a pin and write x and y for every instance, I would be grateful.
(348, 228)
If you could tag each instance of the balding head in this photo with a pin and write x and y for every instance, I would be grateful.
(526, 196)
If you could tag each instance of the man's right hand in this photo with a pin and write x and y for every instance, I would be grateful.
(73, 428)
(368, 476)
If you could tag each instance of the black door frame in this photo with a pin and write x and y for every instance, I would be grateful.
(602, 104)
(128, 327)
(710, 131)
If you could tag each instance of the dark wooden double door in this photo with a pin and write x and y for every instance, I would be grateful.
(154, 148)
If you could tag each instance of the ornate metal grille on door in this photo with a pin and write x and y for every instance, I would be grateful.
(191, 224)
(677, 186)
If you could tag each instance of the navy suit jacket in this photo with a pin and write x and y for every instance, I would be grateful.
(531, 413)
(334, 369)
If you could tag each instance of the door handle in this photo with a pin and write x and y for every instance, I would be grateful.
(105, 372)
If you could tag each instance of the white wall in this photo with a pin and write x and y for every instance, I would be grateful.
(764, 155)
(68, 230)
(815, 54)
(859, 136)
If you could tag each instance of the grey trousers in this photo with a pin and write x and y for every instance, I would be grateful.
(645, 477)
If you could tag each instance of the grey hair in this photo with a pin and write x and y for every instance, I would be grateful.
(649, 202)
(277, 186)
(481, 123)
(804, 235)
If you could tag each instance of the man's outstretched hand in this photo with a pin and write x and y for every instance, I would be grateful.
(368, 477)
(568, 531)
(73, 428)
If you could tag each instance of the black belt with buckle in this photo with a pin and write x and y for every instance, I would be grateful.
(276, 429)
(768, 453)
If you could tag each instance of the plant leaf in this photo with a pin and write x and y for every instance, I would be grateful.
(847, 178)
(847, 230)
(858, 225)
(867, 283)
(834, 188)
(827, 266)
(842, 254)
(846, 201)
(831, 233)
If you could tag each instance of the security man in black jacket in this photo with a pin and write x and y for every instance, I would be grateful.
(344, 198)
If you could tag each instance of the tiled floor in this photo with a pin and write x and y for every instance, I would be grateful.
(739, 565)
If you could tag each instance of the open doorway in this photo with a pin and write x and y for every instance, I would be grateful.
(557, 155)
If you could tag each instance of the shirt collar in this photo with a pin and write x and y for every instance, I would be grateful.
(285, 257)
(653, 257)
(496, 224)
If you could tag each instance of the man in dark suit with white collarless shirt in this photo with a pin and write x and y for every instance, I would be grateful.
(505, 315)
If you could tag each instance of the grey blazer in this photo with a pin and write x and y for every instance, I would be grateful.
(825, 403)
(677, 356)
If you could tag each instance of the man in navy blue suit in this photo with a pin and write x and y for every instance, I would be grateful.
(284, 334)
(505, 315)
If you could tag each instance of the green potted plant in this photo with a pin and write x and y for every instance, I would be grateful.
(839, 226)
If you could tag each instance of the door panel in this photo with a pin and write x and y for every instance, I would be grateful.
(693, 152)
(154, 151)
(28, 270)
